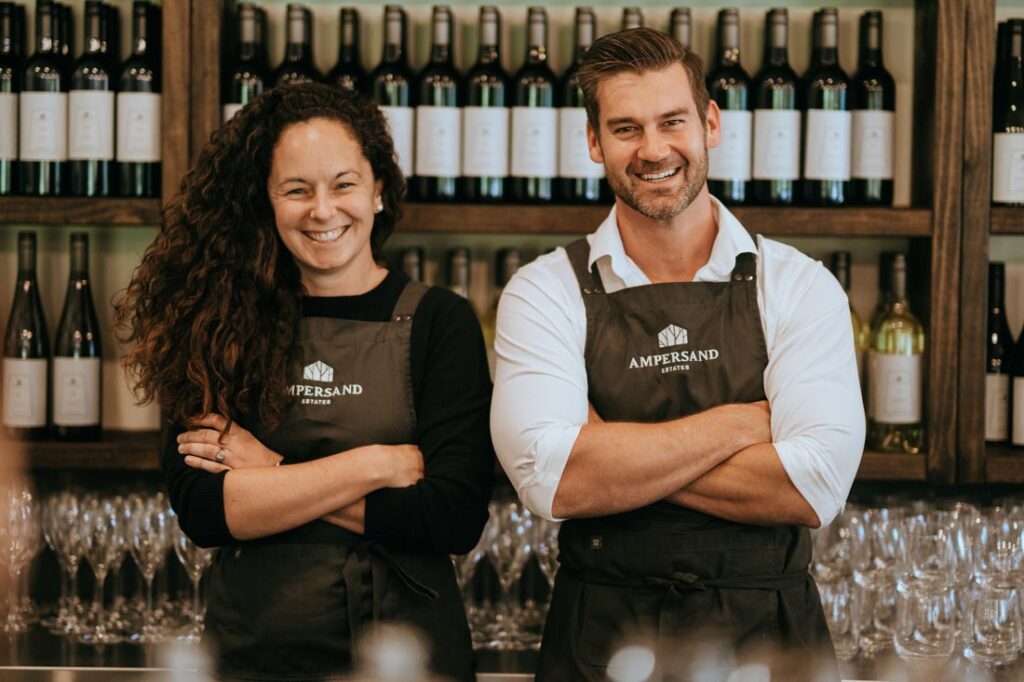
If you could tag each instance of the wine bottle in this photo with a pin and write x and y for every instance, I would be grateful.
(91, 110)
(411, 262)
(507, 262)
(43, 110)
(348, 73)
(632, 17)
(534, 118)
(112, 17)
(579, 178)
(884, 286)
(10, 86)
(248, 77)
(827, 119)
(138, 107)
(26, 351)
(391, 86)
(873, 101)
(64, 36)
(681, 26)
(776, 118)
(1016, 407)
(458, 270)
(297, 65)
(1008, 119)
(841, 269)
(729, 87)
(895, 366)
(485, 118)
(997, 361)
(438, 118)
(76, 355)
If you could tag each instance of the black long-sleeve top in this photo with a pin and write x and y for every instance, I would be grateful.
(445, 511)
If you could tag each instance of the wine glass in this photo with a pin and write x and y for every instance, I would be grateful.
(509, 546)
(21, 541)
(195, 560)
(101, 543)
(149, 540)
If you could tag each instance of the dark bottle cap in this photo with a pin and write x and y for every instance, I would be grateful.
(411, 263)
(490, 26)
(458, 267)
(841, 268)
(681, 26)
(507, 262)
(777, 25)
(26, 252)
(632, 17)
(79, 253)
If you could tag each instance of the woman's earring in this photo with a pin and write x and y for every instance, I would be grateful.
(379, 207)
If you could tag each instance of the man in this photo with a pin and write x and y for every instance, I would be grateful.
(687, 399)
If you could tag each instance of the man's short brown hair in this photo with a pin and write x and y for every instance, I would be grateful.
(637, 51)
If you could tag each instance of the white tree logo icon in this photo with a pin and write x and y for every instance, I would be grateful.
(672, 336)
(318, 371)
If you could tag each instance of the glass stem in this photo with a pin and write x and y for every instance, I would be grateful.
(197, 617)
(97, 601)
(148, 623)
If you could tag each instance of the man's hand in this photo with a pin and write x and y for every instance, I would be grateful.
(208, 447)
(753, 421)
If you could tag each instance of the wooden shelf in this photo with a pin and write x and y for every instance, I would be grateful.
(570, 219)
(1004, 464)
(121, 450)
(885, 466)
(78, 211)
(1007, 220)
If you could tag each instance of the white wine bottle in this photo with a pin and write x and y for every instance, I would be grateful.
(895, 368)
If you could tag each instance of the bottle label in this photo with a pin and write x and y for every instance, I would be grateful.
(24, 393)
(1008, 168)
(91, 121)
(730, 160)
(228, 111)
(44, 126)
(1017, 434)
(401, 122)
(573, 151)
(827, 154)
(997, 395)
(138, 127)
(8, 126)
(485, 142)
(438, 136)
(776, 144)
(872, 144)
(534, 148)
(76, 391)
(894, 388)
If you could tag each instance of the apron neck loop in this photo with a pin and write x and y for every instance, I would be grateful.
(746, 267)
(408, 301)
(588, 277)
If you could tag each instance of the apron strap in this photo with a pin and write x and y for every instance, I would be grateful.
(408, 301)
(589, 278)
(746, 267)
(690, 582)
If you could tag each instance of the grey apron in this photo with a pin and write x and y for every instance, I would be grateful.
(291, 606)
(663, 572)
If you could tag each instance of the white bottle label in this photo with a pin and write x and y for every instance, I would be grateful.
(776, 144)
(8, 126)
(228, 111)
(534, 148)
(872, 144)
(44, 126)
(76, 391)
(827, 154)
(1017, 434)
(91, 125)
(1008, 168)
(138, 127)
(573, 151)
(997, 394)
(730, 160)
(24, 393)
(401, 122)
(894, 388)
(438, 140)
(485, 142)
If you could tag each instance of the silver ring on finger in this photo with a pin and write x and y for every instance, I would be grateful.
(220, 455)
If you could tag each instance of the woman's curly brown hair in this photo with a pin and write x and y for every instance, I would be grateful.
(211, 314)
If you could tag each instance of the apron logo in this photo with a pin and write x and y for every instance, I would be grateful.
(672, 336)
(673, 361)
(322, 373)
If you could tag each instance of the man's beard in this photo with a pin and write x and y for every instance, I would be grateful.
(694, 175)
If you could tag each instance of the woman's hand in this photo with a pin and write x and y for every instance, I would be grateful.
(205, 449)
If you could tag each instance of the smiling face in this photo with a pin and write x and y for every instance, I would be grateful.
(652, 142)
(324, 197)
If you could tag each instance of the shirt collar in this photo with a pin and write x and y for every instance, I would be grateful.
(732, 240)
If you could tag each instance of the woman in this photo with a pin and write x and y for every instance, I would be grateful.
(265, 323)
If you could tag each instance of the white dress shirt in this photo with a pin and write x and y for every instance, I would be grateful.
(540, 384)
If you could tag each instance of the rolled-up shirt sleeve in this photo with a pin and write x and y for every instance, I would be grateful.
(540, 382)
(812, 383)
